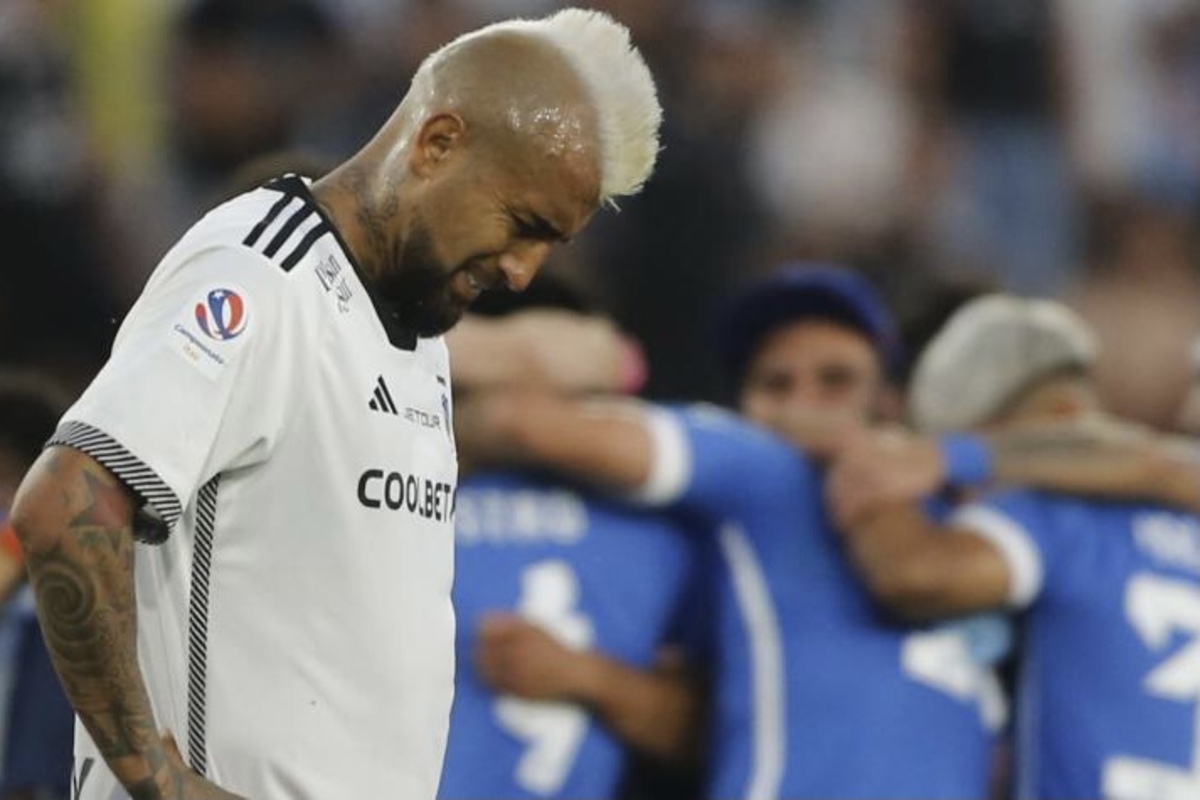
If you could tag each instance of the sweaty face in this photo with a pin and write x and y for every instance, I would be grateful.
(813, 372)
(488, 223)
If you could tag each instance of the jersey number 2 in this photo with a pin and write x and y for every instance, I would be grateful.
(552, 732)
(1158, 608)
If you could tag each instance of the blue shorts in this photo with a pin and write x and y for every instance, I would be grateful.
(41, 724)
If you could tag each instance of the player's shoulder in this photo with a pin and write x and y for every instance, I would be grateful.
(1014, 500)
(725, 433)
(1033, 512)
(708, 417)
(1051, 505)
(273, 226)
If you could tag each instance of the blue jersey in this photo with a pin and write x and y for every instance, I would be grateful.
(1110, 667)
(817, 694)
(595, 574)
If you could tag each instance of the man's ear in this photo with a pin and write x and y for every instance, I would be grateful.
(439, 138)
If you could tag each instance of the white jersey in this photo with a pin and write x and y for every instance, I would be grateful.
(295, 629)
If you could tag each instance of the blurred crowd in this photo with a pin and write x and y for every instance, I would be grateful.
(941, 148)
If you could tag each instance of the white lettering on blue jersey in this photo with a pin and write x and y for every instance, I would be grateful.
(1111, 648)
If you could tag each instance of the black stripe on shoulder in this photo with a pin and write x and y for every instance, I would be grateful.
(306, 243)
(257, 231)
(302, 213)
(294, 210)
(290, 184)
(126, 466)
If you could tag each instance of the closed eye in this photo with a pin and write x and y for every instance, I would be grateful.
(538, 228)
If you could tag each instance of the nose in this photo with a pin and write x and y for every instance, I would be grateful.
(803, 394)
(520, 264)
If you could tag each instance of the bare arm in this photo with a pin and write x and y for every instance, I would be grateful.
(1093, 457)
(605, 444)
(542, 347)
(656, 712)
(1101, 457)
(74, 520)
(922, 571)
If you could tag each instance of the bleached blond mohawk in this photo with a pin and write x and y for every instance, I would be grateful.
(619, 85)
(622, 90)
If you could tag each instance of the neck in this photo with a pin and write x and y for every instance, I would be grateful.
(364, 218)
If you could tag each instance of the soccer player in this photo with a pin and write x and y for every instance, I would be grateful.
(242, 533)
(1110, 591)
(565, 599)
(816, 695)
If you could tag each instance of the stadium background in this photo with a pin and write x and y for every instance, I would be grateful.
(943, 147)
(940, 145)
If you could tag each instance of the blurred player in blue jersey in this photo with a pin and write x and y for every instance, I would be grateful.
(1109, 670)
(563, 597)
(816, 695)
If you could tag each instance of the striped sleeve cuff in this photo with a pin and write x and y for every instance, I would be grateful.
(127, 467)
(1014, 544)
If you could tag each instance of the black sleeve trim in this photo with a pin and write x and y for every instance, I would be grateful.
(126, 466)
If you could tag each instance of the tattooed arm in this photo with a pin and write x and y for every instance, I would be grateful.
(74, 521)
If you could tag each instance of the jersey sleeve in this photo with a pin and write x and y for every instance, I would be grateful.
(1010, 521)
(710, 461)
(195, 381)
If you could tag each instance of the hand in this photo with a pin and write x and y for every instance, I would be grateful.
(819, 432)
(575, 352)
(881, 466)
(173, 779)
(516, 657)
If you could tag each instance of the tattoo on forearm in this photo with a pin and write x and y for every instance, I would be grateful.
(87, 607)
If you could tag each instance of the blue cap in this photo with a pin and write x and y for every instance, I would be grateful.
(801, 290)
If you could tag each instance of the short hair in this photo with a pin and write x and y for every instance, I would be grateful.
(617, 80)
(800, 292)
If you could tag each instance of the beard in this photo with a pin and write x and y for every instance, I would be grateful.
(419, 288)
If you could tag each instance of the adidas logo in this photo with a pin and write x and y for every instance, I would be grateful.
(381, 399)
